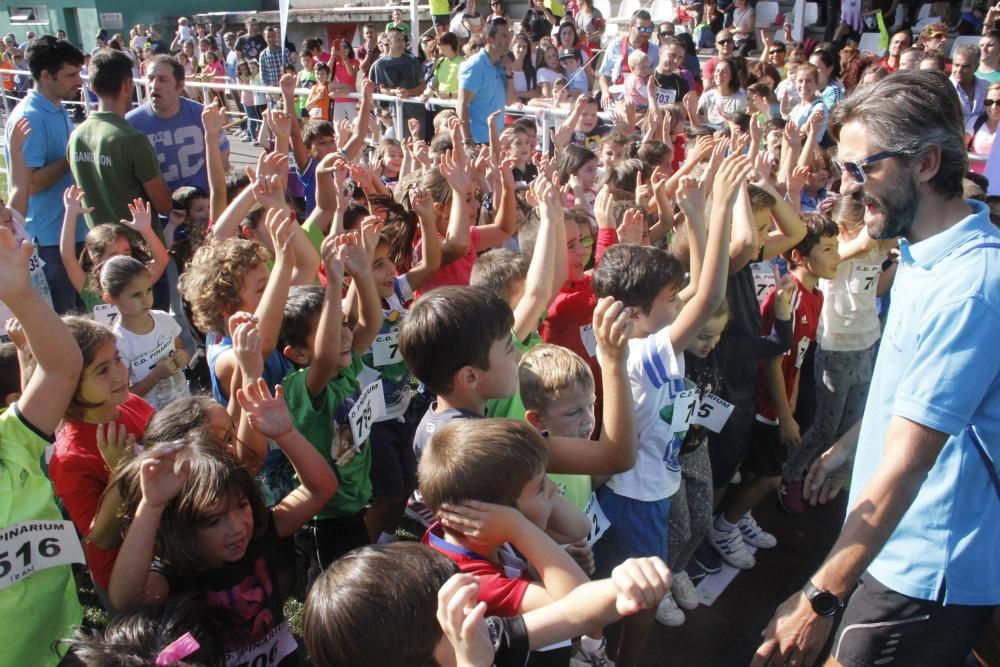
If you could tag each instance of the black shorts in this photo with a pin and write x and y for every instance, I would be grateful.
(322, 541)
(441, 19)
(767, 453)
(728, 449)
(880, 623)
(394, 465)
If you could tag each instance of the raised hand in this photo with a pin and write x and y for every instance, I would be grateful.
(422, 204)
(279, 226)
(269, 193)
(454, 168)
(613, 326)
(371, 229)
(15, 332)
(798, 178)
(351, 251)
(632, 226)
(73, 202)
(19, 135)
(603, 205)
(247, 345)
(115, 444)
(643, 192)
(142, 215)
(332, 264)
(731, 177)
(287, 84)
(461, 620)
(268, 414)
(213, 118)
(15, 277)
(280, 123)
(413, 125)
(162, 475)
(690, 198)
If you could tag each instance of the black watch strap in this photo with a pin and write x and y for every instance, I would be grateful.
(823, 602)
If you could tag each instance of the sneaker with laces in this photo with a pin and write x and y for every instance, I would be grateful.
(598, 658)
(707, 558)
(790, 497)
(754, 535)
(420, 513)
(684, 591)
(668, 613)
(730, 545)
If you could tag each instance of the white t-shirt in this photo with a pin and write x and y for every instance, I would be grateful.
(656, 375)
(35, 266)
(546, 75)
(849, 322)
(141, 352)
(717, 106)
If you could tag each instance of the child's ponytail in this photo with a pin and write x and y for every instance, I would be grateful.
(117, 272)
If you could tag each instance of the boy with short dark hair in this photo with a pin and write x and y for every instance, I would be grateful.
(775, 430)
(325, 397)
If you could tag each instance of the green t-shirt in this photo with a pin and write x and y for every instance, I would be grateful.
(306, 79)
(110, 161)
(313, 233)
(440, 8)
(989, 77)
(43, 607)
(402, 26)
(446, 73)
(324, 423)
(513, 408)
(576, 488)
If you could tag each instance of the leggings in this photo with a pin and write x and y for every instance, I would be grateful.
(690, 508)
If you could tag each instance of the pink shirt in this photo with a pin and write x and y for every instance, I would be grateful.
(341, 75)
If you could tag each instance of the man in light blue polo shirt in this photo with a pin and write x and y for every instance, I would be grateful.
(484, 86)
(922, 537)
(55, 67)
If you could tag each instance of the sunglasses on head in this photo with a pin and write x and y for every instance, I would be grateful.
(725, 41)
(856, 168)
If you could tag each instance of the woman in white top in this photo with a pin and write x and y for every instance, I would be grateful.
(549, 68)
(742, 22)
(849, 328)
(724, 101)
(522, 68)
(981, 130)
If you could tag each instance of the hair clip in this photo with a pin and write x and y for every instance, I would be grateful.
(177, 650)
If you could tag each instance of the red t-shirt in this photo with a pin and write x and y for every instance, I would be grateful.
(80, 475)
(501, 586)
(456, 273)
(806, 308)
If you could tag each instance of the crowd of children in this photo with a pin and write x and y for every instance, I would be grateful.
(572, 377)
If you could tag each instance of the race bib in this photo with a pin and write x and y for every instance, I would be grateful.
(105, 313)
(599, 522)
(665, 97)
(366, 411)
(30, 546)
(271, 650)
(713, 413)
(385, 349)
(864, 278)
(684, 409)
(763, 280)
(589, 339)
(800, 352)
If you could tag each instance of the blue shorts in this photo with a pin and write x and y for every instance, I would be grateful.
(638, 529)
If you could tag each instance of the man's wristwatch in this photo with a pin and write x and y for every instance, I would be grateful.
(823, 602)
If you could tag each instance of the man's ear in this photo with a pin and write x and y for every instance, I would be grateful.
(930, 164)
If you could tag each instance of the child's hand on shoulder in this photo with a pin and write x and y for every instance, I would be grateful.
(115, 444)
(462, 621)
(484, 525)
(162, 475)
(641, 584)
(142, 215)
(613, 326)
(268, 414)
(73, 202)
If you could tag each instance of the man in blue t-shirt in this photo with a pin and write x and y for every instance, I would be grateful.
(921, 542)
(55, 67)
(484, 85)
(173, 125)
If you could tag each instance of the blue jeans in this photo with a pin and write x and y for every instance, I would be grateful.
(64, 298)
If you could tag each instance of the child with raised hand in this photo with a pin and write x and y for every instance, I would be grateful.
(394, 466)
(41, 607)
(102, 243)
(148, 340)
(100, 428)
(12, 213)
(648, 281)
(325, 394)
(197, 526)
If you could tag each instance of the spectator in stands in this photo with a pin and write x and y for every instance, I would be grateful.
(934, 37)
(535, 22)
(615, 65)
(910, 58)
(742, 23)
(111, 161)
(251, 43)
(273, 58)
(173, 125)
(899, 42)
(590, 21)
(725, 46)
(484, 86)
(989, 56)
(156, 39)
(399, 73)
(55, 67)
(981, 131)
(971, 89)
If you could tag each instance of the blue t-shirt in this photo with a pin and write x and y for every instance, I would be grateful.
(50, 130)
(179, 143)
(488, 82)
(938, 367)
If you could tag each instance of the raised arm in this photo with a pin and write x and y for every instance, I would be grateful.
(538, 289)
(74, 208)
(142, 223)
(358, 266)
(213, 118)
(20, 174)
(430, 243)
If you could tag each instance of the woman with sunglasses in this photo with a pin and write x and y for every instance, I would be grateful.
(981, 131)
(497, 11)
(344, 70)
(741, 22)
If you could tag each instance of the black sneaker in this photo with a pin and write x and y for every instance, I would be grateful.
(708, 559)
(694, 572)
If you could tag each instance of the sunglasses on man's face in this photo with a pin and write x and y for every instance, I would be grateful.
(724, 41)
(856, 168)
(646, 30)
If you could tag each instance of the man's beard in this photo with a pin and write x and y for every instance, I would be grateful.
(896, 210)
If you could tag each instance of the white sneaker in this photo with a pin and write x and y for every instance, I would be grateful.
(684, 592)
(668, 613)
(754, 535)
(729, 544)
